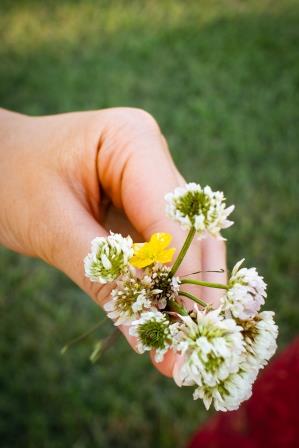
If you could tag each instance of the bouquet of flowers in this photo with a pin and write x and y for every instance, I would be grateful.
(219, 351)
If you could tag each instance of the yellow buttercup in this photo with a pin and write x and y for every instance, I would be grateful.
(154, 251)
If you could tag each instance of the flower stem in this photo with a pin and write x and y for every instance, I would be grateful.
(103, 346)
(81, 336)
(194, 298)
(183, 251)
(192, 281)
(177, 308)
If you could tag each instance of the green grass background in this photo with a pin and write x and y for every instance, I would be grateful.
(221, 78)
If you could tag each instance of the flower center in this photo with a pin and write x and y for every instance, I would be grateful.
(127, 296)
(250, 330)
(193, 203)
(153, 334)
(163, 282)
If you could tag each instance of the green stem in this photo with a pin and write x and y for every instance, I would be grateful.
(192, 281)
(194, 298)
(183, 251)
(104, 346)
(177, 308)
(81, 337)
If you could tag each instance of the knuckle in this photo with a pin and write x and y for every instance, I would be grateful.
(142, 116)
(135, 118)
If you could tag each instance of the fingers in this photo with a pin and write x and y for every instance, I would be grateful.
(136, 170)
(167, 365)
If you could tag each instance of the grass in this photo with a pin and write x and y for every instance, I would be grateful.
(222, 80)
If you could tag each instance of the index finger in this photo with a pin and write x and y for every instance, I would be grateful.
(143, 173)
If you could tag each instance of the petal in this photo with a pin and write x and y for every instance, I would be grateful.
(178, 379)
(160, 240)
(165, 256)
(140, 262)
(137, 247)
(142, 255)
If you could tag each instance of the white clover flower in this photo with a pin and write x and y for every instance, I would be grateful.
(211, 347)
(128, 299)
(259, 344)
(246, 293)
(161, 286)
(227, 395)
(201, 208)
(109, 257)
(153, 331)
(260, 336)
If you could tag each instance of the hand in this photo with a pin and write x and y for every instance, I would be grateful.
(68, 178)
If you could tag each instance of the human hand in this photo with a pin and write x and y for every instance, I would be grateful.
(66, 179)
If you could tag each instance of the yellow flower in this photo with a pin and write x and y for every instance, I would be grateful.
(152, 252)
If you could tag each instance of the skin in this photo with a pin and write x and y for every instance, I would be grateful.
(68, 178)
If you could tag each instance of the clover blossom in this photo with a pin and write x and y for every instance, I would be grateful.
(200, 208)
(260, 336)
(128, 299)
(161, 286)
(153, 331)
(211, 347)
(109, 257)
(227, 395)
(246, 292)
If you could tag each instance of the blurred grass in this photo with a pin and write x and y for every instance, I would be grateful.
(221, 78)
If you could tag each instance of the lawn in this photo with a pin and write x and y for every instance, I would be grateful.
(221, 78)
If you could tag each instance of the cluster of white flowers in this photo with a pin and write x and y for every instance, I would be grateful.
(230, 393)
(108, 258)
(154, 332)
(219, 351)
(211, 346)
(134, 295)
(246, 292)
(235, 361)
(161, 286)
(222, 356)
(128, 299)
(201, 208)
(260, 334)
